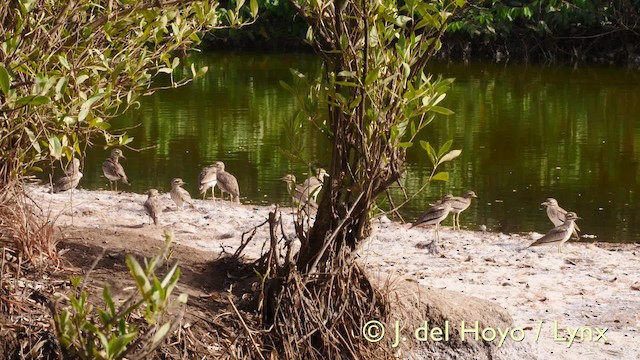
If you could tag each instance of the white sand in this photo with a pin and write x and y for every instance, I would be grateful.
(586, 286)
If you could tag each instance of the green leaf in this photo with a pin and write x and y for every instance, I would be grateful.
(444, 148)
(62, 59)
(441, 176)
(430, 151)
(118, 344)
(106, 295)
(5, 81)
(160, 334)
(441, 110)
(372, 76)
(34, 141)
(33, 100)
(346, 73)
(167, 277)
(407, 144)
(138, 274)
(450, 156)
(86, 106)
(253, 4)
(55, 148)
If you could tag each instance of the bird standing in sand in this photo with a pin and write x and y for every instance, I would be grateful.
(559, 234)
(460, 204)
(557, 215)
(180, 195)
(72, 178)
(113, 170)
(152, 205)
(227, 182)
(313, 185)
(434, 216)
(299, 193)
(208, 179)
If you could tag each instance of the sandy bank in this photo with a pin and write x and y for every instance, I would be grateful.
(589, 286)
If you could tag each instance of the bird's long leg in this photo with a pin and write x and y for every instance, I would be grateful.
(458, 220)
(116, 183)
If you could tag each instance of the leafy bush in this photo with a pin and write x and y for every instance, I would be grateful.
(87, 332)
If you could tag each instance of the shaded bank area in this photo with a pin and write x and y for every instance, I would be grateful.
(540, 31)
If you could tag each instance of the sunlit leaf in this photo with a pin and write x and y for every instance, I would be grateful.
(55, 147)
(160, 334)
(450, 156)
(253, 5)
(441, 176)
(86, 106)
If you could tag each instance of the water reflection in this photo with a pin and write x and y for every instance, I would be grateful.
(527, 133)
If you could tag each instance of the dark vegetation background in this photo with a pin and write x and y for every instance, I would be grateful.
(541, 31)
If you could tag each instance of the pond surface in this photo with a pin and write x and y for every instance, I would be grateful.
(526, 133)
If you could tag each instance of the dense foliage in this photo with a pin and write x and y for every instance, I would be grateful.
(548, 30)
(538, 30)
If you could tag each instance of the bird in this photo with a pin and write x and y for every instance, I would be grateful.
(227, 182)
(152, 205)
(313, 184)
(460, 204)
(299, 196)
(435, 215)
(208, 179)
(559, 234)
(557, 215)
(72, 178)
(113, 170)
(180, 195)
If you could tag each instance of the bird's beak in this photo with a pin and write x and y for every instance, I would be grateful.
(475, 196)
(545, 203)
(578, 217)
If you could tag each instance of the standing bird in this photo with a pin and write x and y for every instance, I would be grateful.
(227, 182)
(208, 179)
(313, 185)
(180, 195)
(72, 178)
(152, 206)
(113, 170)
(299, 196)
(559, 234)
(460, 204)
(435, 215)
(557, 215)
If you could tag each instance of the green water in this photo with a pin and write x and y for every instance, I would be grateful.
(526, 133)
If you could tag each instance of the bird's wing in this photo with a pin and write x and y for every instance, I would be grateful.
(184, 194)
(207, 175)
(553, 235)
(432, 213)
(228, 182)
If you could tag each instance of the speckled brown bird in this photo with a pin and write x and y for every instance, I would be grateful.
(71, 180)
(179, 195)
(113, 170)
(152, 206)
